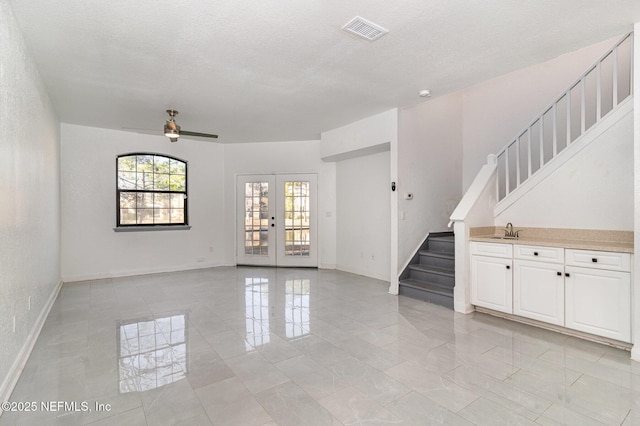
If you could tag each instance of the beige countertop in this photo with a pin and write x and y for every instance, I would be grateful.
(585, 239)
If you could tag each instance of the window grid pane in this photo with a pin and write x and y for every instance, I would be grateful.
(256, 218)
(152, 190)
(297, 210)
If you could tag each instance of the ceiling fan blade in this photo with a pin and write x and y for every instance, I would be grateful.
(202, 135)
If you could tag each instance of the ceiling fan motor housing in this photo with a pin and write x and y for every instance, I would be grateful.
(172, 130)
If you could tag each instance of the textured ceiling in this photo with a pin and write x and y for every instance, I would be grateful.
(267, 70)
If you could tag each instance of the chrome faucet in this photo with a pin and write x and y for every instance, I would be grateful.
(509, 233)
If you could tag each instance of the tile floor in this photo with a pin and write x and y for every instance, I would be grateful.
(255, 346)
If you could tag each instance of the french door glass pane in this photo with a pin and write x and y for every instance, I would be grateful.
(256, 218)
(296, 214)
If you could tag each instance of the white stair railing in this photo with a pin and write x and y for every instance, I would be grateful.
(595, 94)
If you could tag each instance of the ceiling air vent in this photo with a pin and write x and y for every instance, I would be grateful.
(365, 29)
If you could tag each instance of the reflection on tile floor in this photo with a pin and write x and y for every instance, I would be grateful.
(152, 353)
(257, 346)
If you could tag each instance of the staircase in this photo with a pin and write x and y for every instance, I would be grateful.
(596, 95)
(430, 276)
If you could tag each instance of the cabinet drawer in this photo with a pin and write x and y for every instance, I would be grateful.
(599, 259)
(546, 254)
(492, 249)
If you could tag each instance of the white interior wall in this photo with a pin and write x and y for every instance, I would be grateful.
(29, 201)
(90, 247)
(592, 190)
(363, 211)
(429, 163)
(362, 141)
(635, 285)
(282, 157)
(360, 136)
(496, 110)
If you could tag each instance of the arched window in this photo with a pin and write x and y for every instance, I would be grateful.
(151, 190)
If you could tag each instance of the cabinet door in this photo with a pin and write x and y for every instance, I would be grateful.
(599, 302)
(538, 291)
(491, 283)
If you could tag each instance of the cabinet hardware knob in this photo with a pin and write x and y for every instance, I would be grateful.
(559, 274)
(594, 259)
(535, 253)
(567, 275)
(508, 267)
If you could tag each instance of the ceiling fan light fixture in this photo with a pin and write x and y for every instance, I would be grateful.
(172, 133)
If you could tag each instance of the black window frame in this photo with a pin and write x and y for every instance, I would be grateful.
(151, 226)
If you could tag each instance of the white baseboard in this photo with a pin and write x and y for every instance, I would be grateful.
(10, 381)
(134, 272)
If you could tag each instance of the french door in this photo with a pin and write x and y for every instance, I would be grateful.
(276, 222)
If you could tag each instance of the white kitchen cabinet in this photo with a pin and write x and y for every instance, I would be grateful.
(491, 277)
(538, 291)
(598, 294)
(538, 283)
(583, 290)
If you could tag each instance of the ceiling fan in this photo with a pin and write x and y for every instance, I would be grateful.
(173, 131)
